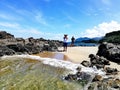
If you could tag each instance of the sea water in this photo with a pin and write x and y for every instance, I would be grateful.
(30, 72)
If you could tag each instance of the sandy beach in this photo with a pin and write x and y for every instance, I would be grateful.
(78, 54)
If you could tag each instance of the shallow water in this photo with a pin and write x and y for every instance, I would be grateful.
(32, 72)
(53, 55)
(17, 73)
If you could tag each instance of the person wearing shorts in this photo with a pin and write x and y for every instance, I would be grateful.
(65, 38)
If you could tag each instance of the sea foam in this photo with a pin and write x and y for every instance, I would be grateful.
(59, 63)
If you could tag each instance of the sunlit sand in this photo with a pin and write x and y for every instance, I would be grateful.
(75, 55)
(78, 54)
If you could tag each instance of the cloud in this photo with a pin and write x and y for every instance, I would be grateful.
(30, 31)
(7, 16)
(102, 29)
(72, 19)
(67, 25)
(106, 2)
(26, 32)
(9, 25)
(35, 33)
(40, 18)
(3, 16)
(70, 3)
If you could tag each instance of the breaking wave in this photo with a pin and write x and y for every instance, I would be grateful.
(59, 63)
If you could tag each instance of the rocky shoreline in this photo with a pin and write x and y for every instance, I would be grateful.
(110, 51)
(94, 81)
(9, 45)
(107, 52)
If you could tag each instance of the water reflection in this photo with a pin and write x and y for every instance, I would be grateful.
(54, 55)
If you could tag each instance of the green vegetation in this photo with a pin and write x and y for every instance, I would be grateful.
(112, 37)
(28, 74)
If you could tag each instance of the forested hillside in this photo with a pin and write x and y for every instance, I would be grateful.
(112, 37)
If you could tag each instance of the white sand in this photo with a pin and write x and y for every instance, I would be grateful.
(78, 54)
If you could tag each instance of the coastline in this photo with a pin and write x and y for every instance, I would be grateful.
(75, 55)
(78, 54)
(57, 59)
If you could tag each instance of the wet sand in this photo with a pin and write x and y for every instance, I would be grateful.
(54, 55)
(75, 55)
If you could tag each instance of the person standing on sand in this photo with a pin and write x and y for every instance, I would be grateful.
(65, 38)
(72, 41)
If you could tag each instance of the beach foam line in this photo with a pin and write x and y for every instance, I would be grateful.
(59, 63)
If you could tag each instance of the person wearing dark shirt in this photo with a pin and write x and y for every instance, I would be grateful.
(72, 41)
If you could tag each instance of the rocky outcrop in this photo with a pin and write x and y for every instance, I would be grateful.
(11, 45)
(4, 50)
(95, 60)
(5, 35)
(94, 81)
(109, 51)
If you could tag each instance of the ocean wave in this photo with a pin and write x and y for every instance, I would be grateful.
(60, 63)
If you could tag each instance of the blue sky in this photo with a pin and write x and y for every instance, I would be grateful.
(51, 19)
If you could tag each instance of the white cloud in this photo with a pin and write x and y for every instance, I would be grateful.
(36, 33)
(9, 25)
(7, 16)
(107, 2)
(67, 25)
(102, 29)
(53, 36)
(30, 31)
(72, 19)
(39, 17)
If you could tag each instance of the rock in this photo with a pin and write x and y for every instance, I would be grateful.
(97, 61)
(17, 47)
(84, 76)
(46, 47)
(6, 51)
(114, 83)
(29, 46)
(78, 77)
(78, 74)
(99, 66)
(111, 71)
(109, 51)
(5, 35)
(71, 77)
(78, 69)
(32, 49)
(86, 63)
(97, 78)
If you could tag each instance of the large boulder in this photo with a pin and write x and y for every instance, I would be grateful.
(17, 48)
(33, 49)
(5, 35)
(6, 51)
(109, 51)
(97, 61)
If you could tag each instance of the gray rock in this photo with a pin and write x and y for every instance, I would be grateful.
(6, 51)
(86, 63)
(109, 51)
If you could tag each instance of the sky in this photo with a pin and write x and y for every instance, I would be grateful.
(51, 19)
